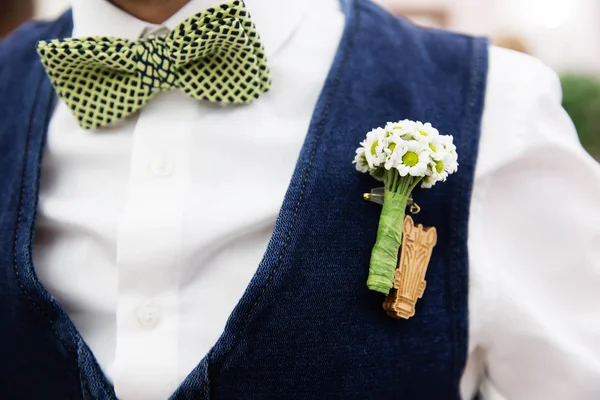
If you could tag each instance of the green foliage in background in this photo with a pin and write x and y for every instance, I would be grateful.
(581, 99)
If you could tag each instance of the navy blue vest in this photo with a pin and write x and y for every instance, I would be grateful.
(306, 327)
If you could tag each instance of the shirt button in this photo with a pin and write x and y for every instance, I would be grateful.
(148, 316)
(162, 167)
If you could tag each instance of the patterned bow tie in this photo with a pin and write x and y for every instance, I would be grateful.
(215, 56)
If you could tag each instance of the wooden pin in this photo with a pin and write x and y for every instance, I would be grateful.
(409, 278)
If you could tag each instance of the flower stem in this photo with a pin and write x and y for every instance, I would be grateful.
(384, 257)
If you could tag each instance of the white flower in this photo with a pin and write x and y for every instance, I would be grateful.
(361, 160)
(428, 182)
(426, 131)
(436, 146)
(374, 145)
(450, 149)
(396, 148)
(439, 168)
(404, 128)
(415, 161)
(443, 158)
(391, 127)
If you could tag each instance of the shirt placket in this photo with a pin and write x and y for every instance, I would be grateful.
(149, 250)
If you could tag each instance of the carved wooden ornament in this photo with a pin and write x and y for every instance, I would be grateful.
(409, 279)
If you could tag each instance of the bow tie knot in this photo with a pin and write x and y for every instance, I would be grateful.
(214, 56)
(154, 64)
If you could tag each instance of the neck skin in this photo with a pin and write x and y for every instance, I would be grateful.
(152, 11)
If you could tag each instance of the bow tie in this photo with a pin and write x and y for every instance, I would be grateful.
(215, 56)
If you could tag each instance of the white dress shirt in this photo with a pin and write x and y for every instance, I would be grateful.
(143, 239)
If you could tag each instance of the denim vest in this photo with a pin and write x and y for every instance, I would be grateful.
(306, 326)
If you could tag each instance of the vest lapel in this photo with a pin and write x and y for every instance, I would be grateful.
(57, 362)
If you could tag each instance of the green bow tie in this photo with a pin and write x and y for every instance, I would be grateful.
(215, 56)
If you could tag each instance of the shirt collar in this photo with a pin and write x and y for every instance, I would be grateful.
(276, 20)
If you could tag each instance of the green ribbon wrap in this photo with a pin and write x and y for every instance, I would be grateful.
(384, 258)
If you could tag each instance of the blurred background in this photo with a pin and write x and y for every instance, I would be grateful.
(565, 34)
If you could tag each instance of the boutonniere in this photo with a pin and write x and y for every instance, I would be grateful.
(403, 155)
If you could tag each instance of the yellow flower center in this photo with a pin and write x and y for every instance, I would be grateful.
(439, 167)
(392, 146)
(423, 133)
(432, 147)
(374, 147)
(410, 158)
